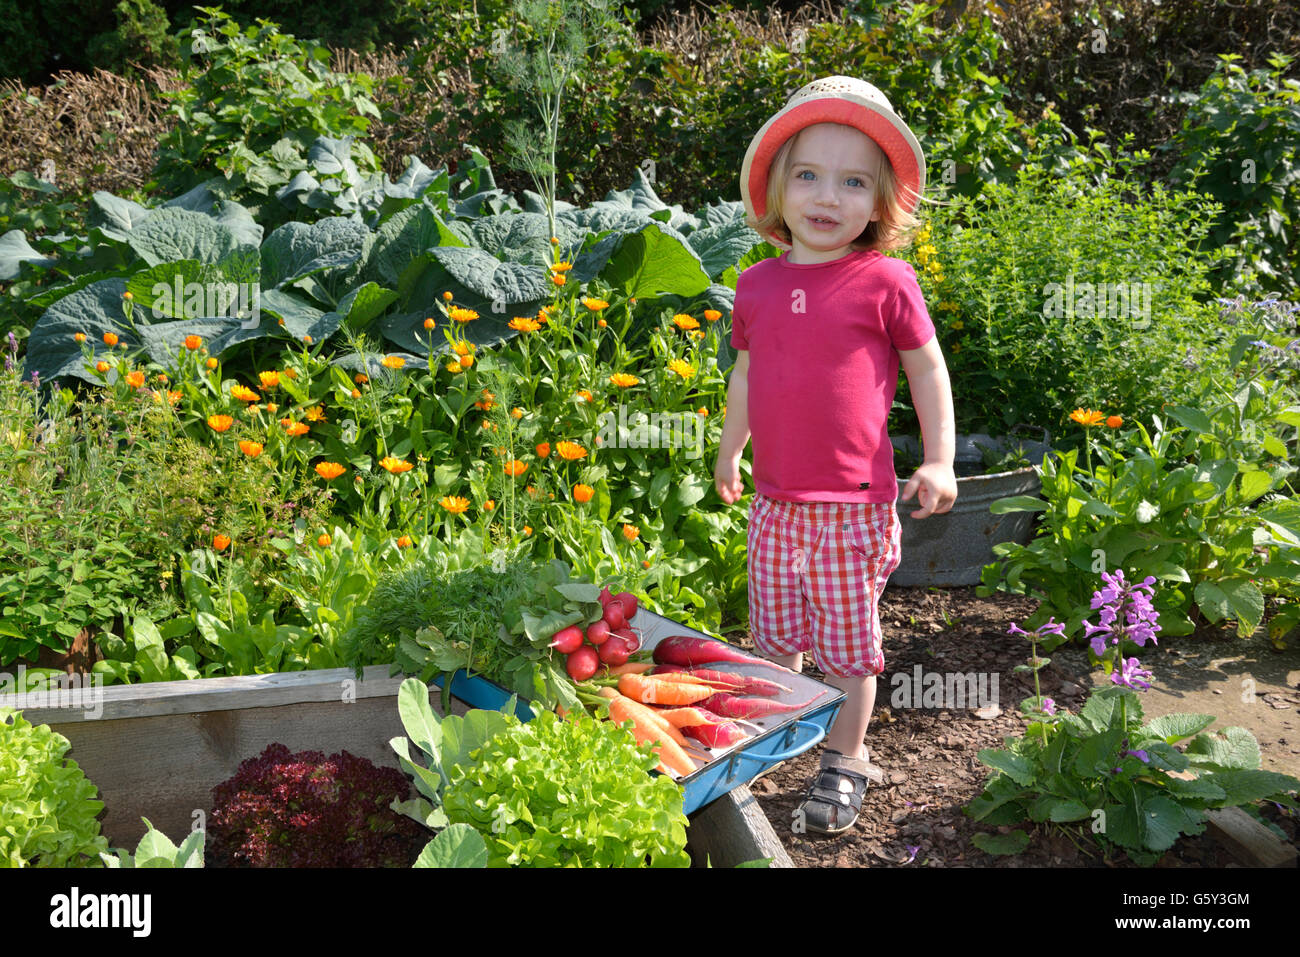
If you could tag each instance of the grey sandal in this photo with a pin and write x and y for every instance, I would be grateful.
(835, 796)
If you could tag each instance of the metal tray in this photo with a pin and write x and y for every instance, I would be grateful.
(782, 737)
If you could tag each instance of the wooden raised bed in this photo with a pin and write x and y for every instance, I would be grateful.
(157, 749)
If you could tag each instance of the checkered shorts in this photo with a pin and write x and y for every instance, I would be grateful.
(816, 571)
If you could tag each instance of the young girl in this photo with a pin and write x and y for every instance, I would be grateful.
(820, 332)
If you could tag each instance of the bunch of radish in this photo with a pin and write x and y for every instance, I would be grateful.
(609, 640)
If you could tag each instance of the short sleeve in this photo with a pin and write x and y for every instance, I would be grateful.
(909, 323)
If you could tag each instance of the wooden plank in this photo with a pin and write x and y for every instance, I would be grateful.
(215, 694)
(1248, 840)
(732, 830)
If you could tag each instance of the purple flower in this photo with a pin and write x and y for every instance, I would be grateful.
(912, 852)
(1131, 674)
(1048, 706)
(1140, 755)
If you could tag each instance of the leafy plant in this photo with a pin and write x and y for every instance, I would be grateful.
(304, 810)
(155, 850)
(573, 792)
(48, 806)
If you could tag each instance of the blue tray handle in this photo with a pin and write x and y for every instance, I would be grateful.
(819, 733)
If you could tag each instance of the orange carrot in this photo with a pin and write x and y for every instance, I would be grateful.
(670, 753)
(650, 690)
(631, 668)
(687, 717)
(683, 677)
(648, 716)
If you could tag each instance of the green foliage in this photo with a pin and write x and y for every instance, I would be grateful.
(568, 793)
(1104, 773)
(155, 850)
(1241, 133)
(142, 37)
(48, 806)
(254, 101)
(1089, 296)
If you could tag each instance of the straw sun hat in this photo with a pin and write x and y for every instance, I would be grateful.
(833, 99)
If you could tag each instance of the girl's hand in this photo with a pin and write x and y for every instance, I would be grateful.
(935, 484)
(726, 479)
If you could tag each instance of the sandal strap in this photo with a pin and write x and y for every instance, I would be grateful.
(852, 767)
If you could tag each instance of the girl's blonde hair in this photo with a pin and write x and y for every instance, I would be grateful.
(894, 229)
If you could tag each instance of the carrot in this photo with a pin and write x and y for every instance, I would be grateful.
(684, 650)
(650, 690)
(687, 717)
(670, 752)
(631, 668)
(691, 678)
(647, 715)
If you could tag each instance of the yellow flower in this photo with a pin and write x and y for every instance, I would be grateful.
(315, 414)
(329, 470)
(296, 429)
(583, 493)
(623, 380)
(570, 450)
(454, 504)
(515, 468)
(517, 412)
(453, 366)
(211, 363)
(251, 449)
(135, 379)
(80, 337)
(464, 348)
(562, 267)
(630, 532)
(524, 324)
(462, 315)
(557, 278)
(243, 393)
(271, 407)
(683, 321)
(957, 324)
(1087, 417)
(595, 305)
(220, 423)
(269, 379)
(393, 362)
(128, 296)
(683, 369)
(396, 466)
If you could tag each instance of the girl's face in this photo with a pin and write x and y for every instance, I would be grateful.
(830, 194)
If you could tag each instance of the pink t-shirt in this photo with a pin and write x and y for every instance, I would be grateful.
(823, 342)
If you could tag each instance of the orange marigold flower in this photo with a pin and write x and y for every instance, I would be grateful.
(712, 315)
(584, 395)
(543, 449)
(162, 376)
(324, 541)
(290, 372)
(645, 564)
(128, 295)
(447, 296)
(630, 532)
(271, 407)
(80, 337)
(464, 348)
(683, 369)
(570, 450)
(211, 363)
(329, 470)
(356, 393)
(1114, 421)
(517, 412)
(269, 379)
(454, 504)
(466, 361)
(243, 393)
(524, 324)
(220, 423)
(110, 339)
(404, 541)
(396, 466)
(393, 362)
(582, 493)
(1086, 417)
(528, 530)
(193, 342)
(683, 321)
(602, 323)
(460, 314)
(307, 339)
(361, 378)
(623, 380)
(315, 414)
(101, 367)
(702, 410)
(453, 366)
(430, 324)
(515, 468)
(135, 379)
(489, 505)
(220, 542)
(296, 429)
(544, 314)
(250, 448)
(594, 304)
(562, 266)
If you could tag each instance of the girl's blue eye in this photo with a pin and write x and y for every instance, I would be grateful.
(854, 181)
(802, 173)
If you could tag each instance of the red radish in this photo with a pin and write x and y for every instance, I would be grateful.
(629, 604)
(567, 640)
(598, 632)
(687, 651)
(630, 636)
(605, 597)
(615, 651)
(721, 735)
(582, 664)
(729, 706)
(742, 684)
(614, 616)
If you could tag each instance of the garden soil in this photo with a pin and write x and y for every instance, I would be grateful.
(928, 755)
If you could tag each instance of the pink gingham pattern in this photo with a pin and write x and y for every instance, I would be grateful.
(816, 571)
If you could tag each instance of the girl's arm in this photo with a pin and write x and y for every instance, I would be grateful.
(927, 379)
(735, 432)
